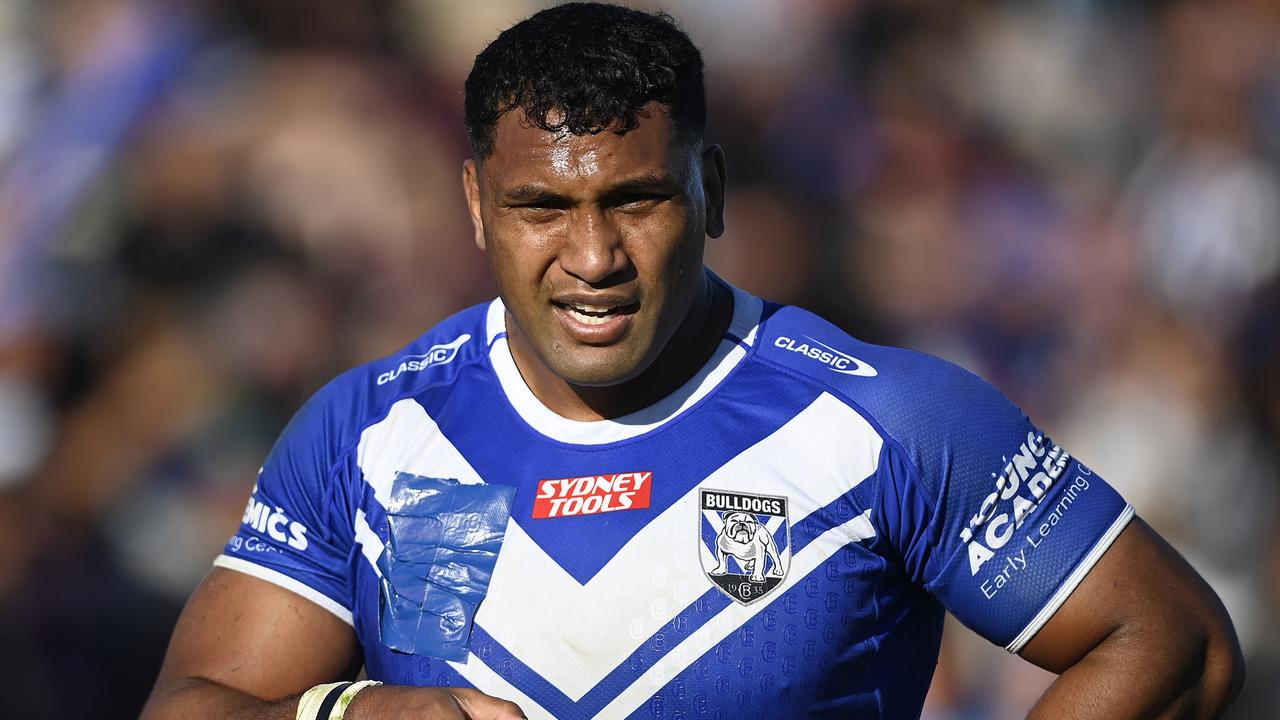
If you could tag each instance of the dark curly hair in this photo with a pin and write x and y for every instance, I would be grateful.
(586, 68)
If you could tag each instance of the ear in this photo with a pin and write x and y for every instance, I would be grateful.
(471, 189)
(713, 187)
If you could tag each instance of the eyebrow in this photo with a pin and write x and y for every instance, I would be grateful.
(645, 183)
(648, 182)
(529, 193)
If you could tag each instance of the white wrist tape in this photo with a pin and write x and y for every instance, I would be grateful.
(329, 701)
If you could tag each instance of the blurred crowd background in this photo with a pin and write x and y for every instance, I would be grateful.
(209, 208)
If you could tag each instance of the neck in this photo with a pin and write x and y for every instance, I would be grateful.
(690, 347)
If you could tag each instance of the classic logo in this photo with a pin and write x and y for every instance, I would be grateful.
(835, 360)
(435, 355)
(592, 494)
(744, 542)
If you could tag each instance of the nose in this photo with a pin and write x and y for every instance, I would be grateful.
(593, 250)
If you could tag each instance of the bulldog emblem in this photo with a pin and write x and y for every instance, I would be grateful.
(744, 542)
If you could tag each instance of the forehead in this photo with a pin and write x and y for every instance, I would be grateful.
(523, 152)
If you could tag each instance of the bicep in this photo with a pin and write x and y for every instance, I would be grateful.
(258, 638)
(1141, 594)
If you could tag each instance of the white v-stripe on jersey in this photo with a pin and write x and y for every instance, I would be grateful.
(778, 538)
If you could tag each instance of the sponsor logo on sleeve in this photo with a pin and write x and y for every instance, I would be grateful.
(273, 521)
(1020, 489)
(835, 360)
(435, 355)
(592, 494)
(744, 542)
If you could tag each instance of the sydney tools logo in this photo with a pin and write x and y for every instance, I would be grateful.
(592, 494)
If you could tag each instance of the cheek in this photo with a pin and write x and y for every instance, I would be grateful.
(519, 256)
(662, 246)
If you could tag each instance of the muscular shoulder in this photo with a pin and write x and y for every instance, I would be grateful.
(938, 413)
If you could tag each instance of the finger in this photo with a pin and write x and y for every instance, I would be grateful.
(478, 706)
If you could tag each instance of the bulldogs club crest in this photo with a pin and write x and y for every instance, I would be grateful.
(744, 542)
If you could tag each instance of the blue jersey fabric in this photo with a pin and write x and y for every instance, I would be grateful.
(780, 537)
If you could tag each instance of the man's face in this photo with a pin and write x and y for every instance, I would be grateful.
(595, 241)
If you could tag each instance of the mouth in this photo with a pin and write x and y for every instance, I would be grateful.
(595, 320)
(593, 314)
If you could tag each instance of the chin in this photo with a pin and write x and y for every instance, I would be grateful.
(600, 368)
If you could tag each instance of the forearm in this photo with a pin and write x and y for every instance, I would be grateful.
(199, 699)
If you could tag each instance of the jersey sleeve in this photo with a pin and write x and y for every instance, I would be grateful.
(988, 513)
(297, 529)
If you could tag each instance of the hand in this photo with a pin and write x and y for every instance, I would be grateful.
(395, 702)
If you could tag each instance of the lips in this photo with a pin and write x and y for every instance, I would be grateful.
(595, 320)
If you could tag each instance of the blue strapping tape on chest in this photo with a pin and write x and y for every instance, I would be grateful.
(443, 542)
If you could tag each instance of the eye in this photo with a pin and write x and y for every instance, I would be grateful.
(537, 212)
(640, 201)
(537, 209)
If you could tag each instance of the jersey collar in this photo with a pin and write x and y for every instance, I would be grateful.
(737, 340)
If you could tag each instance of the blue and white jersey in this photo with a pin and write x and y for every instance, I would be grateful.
(779, 537)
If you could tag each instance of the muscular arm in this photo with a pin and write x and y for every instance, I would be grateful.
(1142, 636)
(246, 649)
